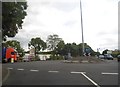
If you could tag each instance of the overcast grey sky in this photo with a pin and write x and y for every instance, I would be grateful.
(62, 17)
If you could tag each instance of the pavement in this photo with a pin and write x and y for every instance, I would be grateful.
(4, 73)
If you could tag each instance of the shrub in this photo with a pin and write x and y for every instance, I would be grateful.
(53, 57)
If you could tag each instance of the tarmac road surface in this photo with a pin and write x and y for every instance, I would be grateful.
(60, 73)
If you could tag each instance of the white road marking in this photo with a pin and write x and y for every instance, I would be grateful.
(90, 79)
(34, 70)
(53, 71)
(109, 73)
(77, 72)
(10, 68)
(20, 69)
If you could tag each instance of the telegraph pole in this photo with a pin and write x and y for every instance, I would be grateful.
(83, 47)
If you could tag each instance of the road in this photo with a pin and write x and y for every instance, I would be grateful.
(60, 73)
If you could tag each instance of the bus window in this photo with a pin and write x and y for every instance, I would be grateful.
(12, 53)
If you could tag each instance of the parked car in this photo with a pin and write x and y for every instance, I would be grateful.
(118, 58)
(101, 56)
(26, 58)
(108, 56)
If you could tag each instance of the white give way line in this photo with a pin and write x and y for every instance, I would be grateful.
(84, 74)
(105, 73)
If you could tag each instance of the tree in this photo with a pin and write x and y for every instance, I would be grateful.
(88, 49)
(105, 51)
(16, 45)
(38, 44)
(52, 41)
(74, 49)
(59, 48)
(13, 14)
(67, 49)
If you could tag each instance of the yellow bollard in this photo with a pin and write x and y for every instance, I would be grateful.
(12, 60)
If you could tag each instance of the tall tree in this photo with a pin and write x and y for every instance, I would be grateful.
(74, 49)
(13, 14)
(59, 48)
(52, 41)
(67, 48)
(38, 44)
(105, 51)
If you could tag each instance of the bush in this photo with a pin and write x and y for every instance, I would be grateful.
(53, 57)
(37, 58)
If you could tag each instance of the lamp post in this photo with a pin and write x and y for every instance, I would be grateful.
(83, 47)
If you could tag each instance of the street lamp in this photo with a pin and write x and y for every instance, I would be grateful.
(83, 47)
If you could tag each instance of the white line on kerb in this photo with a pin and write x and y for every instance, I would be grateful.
(10, 68)
(109, 73)
(34, 70)
(90, 80)
(20, 69)
(53, 71)
(77, 72)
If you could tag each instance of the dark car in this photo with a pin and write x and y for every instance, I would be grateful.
(118, 58)
(109, 57)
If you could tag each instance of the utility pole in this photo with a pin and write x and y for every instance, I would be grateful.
(83, 47)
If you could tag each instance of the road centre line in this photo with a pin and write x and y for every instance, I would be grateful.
(53, 71)
(10, 68)
(90, 79)
(20, 69)
(109, 73)
(34, 70)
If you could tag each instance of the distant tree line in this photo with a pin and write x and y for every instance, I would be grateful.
(57, 46)
(54, 44)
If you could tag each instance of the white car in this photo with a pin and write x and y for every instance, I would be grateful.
(101, 56)
(26, 58)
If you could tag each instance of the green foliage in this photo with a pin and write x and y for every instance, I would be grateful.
(59, 48)
(74, 49)
(13, 14)
(38, 44)
(56, 57)
(105, 51)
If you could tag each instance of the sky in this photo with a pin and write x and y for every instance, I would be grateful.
(62, 17)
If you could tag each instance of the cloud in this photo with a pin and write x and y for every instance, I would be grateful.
(70, 23)
(65, 6)
(62, 17)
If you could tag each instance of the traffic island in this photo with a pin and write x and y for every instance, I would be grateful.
(84, 60)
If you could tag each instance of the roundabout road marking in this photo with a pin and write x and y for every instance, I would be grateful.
(90, 79)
